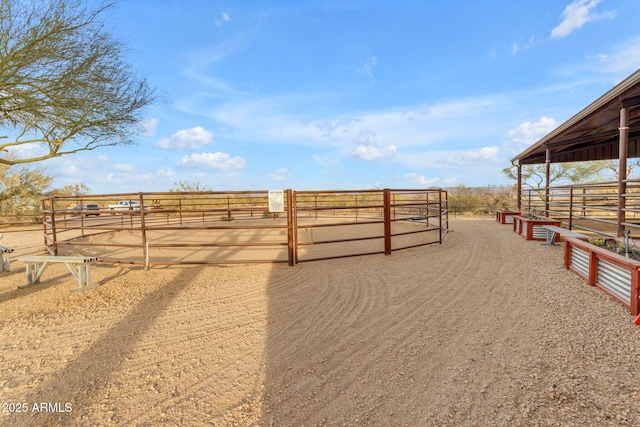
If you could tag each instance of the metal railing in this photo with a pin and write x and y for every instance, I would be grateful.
(238, 227)
(591, 207)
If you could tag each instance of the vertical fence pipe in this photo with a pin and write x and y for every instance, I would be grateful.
(622, 169)
(570, 207)
(386, 197)
(53, 227)
(81, 204)
(290, 228)
(547, 181)
(295, 226)
(446, 199)
(439, 213)
(143, 228)
(519, 189)
(44, 222)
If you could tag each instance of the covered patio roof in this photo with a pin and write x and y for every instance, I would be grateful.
(593, 133)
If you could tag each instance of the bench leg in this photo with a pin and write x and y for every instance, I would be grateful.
(34, 272)
(82, 276)
(5, 262)
(551, 238)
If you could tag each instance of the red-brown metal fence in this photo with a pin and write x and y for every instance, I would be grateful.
(243, 226)
(590, 207)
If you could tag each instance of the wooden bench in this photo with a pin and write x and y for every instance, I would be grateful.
(5, 260)
(553, 230)
(79, 266)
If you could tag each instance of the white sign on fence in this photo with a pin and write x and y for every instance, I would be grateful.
(276, 200)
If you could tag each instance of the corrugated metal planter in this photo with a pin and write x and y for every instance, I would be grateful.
(531, 229)
(615, 274)
(506, 217)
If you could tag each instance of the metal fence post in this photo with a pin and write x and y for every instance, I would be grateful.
(440, 213)
(386, 197)
(570, 207)
(53, 227)
(145, 253)
(291, 229)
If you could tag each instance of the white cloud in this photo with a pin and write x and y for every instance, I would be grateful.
(278, 175)
(369, 149)
(624, 60)
(370, 152)
(219, 161)
(484, 154)
(149, 126)
(366, 138)
(517, 46)
(367, 67)
(415, 178)
(25, 151)
(343, 125)
(224, 18)
(187, 139)
(123, 167)
(577, 14)
(328, 162)
(530, 132)
(165, 172)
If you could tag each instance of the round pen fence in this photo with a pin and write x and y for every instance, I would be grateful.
(244, 226)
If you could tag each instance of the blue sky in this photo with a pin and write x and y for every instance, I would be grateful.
(342, 94)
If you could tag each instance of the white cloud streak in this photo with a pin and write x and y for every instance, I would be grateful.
(148, 126)
(187, 139)
(530, 132)
(416, 178)
(482, 155)
(368, 152)
(576, 15)
(367, 67)
(223, 19)
(217, 161)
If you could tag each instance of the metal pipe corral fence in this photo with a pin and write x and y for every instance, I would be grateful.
(283, 226)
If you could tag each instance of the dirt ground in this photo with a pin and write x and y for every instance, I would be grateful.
(486, 329)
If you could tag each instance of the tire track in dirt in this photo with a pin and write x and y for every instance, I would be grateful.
(215, 356)
(443, 302)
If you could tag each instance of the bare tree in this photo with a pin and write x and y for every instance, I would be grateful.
(65, 85)
(188, 186)
(21, 188)
(77, 189)
(614, 167)
(534, 176)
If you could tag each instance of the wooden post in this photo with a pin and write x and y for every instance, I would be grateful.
(386, 197)
(622, 169)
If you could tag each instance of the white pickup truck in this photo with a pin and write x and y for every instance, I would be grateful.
(125, 205)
